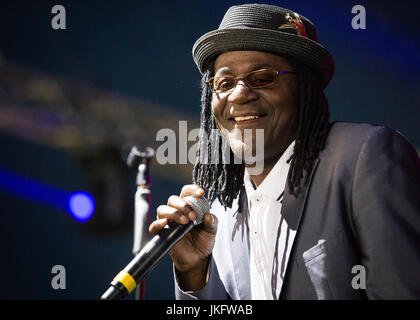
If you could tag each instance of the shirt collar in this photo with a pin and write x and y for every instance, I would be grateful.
(274, 183)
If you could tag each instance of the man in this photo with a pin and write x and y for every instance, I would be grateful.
(335, 212)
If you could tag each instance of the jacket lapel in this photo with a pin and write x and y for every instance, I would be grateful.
(240, 249)
(293, 208)
(292, 212)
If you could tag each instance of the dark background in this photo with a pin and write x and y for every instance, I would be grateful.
(142, 50)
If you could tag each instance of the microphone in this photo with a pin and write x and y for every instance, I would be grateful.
(151, 254)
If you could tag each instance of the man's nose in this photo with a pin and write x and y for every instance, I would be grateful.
(241, 94)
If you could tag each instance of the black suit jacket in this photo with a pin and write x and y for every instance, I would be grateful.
(357, 221)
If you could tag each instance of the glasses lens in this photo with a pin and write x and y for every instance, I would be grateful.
(261, 78)
(255, 79)
(221, 84)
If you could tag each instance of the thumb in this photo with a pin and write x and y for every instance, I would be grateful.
(210, 223)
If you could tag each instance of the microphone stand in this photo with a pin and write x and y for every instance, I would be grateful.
(140, 160)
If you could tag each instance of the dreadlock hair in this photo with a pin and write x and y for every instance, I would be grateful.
(224, 180)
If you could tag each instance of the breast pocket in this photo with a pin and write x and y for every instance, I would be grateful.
(315, 263)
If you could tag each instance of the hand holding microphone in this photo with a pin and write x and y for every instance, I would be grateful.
(187, 230)
(191, 255)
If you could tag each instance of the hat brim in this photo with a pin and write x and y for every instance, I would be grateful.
(285, 44)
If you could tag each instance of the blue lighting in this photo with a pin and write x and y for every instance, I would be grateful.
(81, 205)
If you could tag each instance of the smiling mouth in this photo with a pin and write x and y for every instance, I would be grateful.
(246, 118)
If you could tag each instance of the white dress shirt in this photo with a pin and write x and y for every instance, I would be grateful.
(270, 238)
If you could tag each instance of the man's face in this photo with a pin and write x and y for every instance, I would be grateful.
(275, 105)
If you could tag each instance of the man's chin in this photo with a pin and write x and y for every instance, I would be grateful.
(247, 155)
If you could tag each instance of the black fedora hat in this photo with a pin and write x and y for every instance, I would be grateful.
(266, 28)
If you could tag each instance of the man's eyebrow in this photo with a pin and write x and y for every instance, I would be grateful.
(257, 66)
(260, 66)
(223, 70)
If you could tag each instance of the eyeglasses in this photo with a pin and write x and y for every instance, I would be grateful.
(255, 79)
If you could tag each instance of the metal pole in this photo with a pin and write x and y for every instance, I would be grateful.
(140, 161)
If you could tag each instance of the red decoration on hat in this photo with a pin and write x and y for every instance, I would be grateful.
(294, 23)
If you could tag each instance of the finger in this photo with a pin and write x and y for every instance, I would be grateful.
(183, 207)
(157, 225)
(192, 190)
(210, 223)
(171, 213)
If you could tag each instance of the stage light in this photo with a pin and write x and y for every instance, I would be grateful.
(81, 206)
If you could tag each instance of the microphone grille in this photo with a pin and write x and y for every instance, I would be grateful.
(200, 205)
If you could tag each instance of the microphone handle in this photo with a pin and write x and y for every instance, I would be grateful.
(127, 280)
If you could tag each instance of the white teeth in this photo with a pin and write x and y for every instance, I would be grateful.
(246, 118)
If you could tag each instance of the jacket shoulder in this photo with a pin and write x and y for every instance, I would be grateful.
(346, 139)
(352, 136)
(351, 133)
